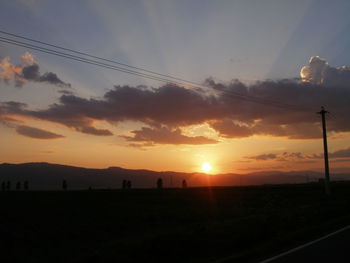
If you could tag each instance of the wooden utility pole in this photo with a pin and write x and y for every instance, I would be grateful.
(325, 154)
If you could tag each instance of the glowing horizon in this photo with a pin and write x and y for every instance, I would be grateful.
(61, 111)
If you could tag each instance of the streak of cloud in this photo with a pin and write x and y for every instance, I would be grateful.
(36, 133)
(298, 156)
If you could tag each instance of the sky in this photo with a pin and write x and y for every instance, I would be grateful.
(288, 58)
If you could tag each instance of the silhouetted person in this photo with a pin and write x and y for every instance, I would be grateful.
(18, 186)
(8, 185)
(26, 185)
(128, 184)
(3, 186)
(160, 183)
(124, 184)
(184, 184)
(64, 185)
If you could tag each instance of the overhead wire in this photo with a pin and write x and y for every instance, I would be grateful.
(81, 59)
(97, 57)
(93, 60)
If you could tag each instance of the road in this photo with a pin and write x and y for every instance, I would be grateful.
(334, 247)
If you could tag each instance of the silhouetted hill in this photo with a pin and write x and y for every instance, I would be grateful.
(50, 176)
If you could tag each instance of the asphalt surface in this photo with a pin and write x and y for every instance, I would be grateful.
(333, 249)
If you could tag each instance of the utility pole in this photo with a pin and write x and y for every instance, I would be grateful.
(325, 147)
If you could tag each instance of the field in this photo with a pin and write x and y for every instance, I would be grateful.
(168, 225)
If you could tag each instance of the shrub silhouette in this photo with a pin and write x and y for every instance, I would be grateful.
(3, 186)
(124, 184)
(64, 185)
(26, 185)
(184, 184)
(8, 185)
(160, 183)
(128, 184)
(18, 186)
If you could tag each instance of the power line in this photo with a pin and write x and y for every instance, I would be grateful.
(151, 75)
(81, 59)
(100, 58)
(266, 101)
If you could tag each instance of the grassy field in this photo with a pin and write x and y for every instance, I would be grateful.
(169, 225)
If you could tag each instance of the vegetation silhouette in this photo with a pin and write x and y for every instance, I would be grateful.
(128, 184)
(160, 183)
(26, 185)
(3, 186)
(184, 184)
(18, 186)
(124, 184)
(8, 185)
(64, 185)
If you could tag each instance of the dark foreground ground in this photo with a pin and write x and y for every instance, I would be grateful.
(334, 248)
(170, 225)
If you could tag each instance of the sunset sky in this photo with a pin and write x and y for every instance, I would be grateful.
(291, 56)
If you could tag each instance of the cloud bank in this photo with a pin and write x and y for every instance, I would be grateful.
(228, 108)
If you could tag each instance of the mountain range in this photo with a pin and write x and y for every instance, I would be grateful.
(47, 176)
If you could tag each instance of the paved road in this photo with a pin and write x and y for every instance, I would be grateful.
(332, 249)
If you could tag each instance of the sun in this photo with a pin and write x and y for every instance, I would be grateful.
(206, 167)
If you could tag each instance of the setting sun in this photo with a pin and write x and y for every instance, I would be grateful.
(206, 167)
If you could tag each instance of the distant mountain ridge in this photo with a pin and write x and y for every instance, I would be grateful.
(43, 175)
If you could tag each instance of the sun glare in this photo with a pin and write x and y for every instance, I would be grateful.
(206, 167)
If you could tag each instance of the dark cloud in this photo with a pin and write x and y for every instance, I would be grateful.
(52, 78)
(343, 160)
(164, 135)
(263, 157)
(234, 110)
(31, 72)
(56, 113)
(344, 153)
(298, 156)
(169, 105)
(6, 119)
(27, 71)
(86, 127)
(285, 157)
(65, 92)
(230, 129)
(231, 117)
(282, 157)
(36, 133)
